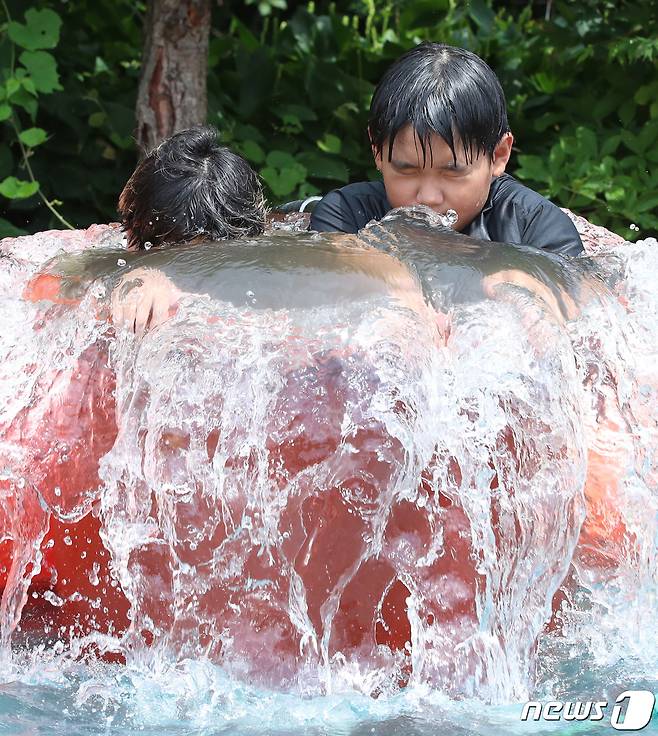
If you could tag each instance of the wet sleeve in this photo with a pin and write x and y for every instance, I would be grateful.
(550, 229)
(334, 214)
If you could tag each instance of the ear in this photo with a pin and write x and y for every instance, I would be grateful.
(501, 154)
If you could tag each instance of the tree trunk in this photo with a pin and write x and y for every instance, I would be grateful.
(172, 87)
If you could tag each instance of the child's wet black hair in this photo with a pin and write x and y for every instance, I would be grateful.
(189, 187)
(444, 90)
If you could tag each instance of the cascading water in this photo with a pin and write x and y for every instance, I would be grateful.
(344, 465)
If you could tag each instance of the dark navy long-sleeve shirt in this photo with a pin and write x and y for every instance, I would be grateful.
(513, 213)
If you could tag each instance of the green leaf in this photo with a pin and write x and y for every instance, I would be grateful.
(604, 106)
(12, 86)
(28, 86)
(280, 159)
(41, 30)
(97, 119)
(124, 142)
(648, 136)
(251, 151)
(8, 230)
(632, 142)
(532, 167)
(291, 124)
(586, 143)
(615, 193)
(33, 137)
(308, 190)
(346, 111)
(647, 202)
(282, 183)
(121, 119)
(646, 93)
(546, 83)
(100, 66)
(14, 188)
(249, 133)
(610, 145)
(42, 67)
(324, 167)
(482, 14)
(329, 143)
(26, 101)
(5, 112)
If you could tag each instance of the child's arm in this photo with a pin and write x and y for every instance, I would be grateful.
(551, 229)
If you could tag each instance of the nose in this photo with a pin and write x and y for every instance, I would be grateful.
(430, 194)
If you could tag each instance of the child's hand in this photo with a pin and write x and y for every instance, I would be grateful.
(144, 299)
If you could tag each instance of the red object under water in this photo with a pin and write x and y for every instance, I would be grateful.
(72, 425)
(75, 590)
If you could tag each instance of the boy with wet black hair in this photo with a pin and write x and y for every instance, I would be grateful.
(189, 188)
(440, 137)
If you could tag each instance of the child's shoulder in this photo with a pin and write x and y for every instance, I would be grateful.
(506, 188)
(514, 213)
(351, 207)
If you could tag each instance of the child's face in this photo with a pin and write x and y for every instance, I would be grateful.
(440, 184)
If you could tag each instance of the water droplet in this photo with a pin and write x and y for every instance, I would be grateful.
(121, 262)
(451, 218)
(148, 245)
(93, 575)
(53, 599)
(67, 541)
(58, 491)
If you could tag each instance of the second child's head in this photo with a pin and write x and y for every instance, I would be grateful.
(439, 131)
(188, 188)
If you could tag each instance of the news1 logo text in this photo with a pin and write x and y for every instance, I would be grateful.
(631, 711)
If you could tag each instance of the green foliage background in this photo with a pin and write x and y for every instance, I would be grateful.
(290, 86)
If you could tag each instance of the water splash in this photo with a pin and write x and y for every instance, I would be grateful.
(343, 465)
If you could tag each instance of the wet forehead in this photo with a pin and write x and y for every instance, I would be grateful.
(407, 149)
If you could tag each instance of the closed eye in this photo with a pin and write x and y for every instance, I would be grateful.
(455, 169)
(403, 167)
